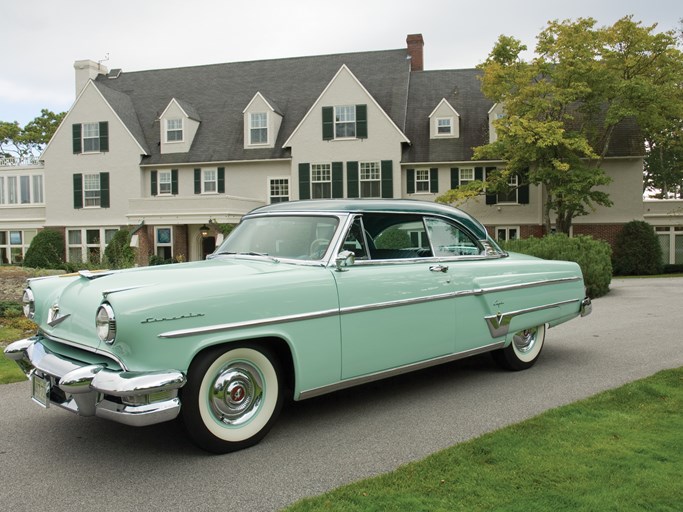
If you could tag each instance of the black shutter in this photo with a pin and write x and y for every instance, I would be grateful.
(352, 179)
(104, 190)
(410, 181)
(434, 180)
(174, 182)
(328, 123)
(455, 177)
(304, 181)
(221, 180)
(361, 121)
(337, 180)
(76, 129)
(197, 181)
(154, 189)
(78, 190)
(523, 193)
(104, 136)
(490, 198)
(387, 179)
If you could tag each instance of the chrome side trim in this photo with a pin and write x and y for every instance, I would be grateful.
(499, 324)
(364, 379)
(353, 309)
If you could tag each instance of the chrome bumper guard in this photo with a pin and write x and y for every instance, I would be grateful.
(586, 307)
(131, 398)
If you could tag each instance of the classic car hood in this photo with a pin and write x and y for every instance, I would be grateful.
(66, 306)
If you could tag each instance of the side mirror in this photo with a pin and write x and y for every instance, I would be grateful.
(344, 259)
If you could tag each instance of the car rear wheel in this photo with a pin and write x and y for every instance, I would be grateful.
(232, 397)
(523, 351)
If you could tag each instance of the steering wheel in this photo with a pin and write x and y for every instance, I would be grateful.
(318, 247)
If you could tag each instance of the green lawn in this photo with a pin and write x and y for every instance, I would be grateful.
(621, 450)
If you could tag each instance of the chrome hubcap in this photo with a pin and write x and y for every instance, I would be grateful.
(236, 393)
(525, 340)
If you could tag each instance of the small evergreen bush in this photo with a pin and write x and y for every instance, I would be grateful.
(637, 250)
(119, 253)
(46, 250)
(593, 256)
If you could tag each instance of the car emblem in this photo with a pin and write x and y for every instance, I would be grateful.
(53, 316)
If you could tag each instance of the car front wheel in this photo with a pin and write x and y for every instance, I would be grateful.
(232, 397)
(523, 351)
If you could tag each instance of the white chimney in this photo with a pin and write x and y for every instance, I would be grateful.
(87, 70)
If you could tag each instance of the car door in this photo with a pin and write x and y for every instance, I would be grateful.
(396, 301)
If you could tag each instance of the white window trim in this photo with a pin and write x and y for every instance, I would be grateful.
(507, 232)
(83, 245)
(181, 130)
(462, 181)
(378, 180)
(267, 128)
(427, 181)
(170, 182)
(312, 182)
(273, 178)
(355, 122)
(516, 192)
(450, 127)
(83, 138)
(99, 205)
(16, 189)
(205, 181)
(156, 239)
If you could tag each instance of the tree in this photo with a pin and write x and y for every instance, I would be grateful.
(28, 142)
(46, 250)
(563, 106)
(119, 253)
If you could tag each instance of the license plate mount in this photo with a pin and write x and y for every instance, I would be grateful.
(40, 390)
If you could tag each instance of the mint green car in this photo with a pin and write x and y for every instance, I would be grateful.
(303, 298)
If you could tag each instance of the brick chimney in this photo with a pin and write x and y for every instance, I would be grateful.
(415, 45)
(87, 70)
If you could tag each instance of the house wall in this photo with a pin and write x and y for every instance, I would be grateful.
(122, 161)
(383, 142)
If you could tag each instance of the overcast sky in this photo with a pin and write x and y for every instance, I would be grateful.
(41, 39)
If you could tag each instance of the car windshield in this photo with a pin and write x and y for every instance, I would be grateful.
(297, 237)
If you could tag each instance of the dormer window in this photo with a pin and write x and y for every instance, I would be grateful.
(174, 130)
(258, 128)
(444, 126)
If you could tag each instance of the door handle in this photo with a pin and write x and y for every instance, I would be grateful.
(438, 268)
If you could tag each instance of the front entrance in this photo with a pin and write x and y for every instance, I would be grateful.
(208, 245)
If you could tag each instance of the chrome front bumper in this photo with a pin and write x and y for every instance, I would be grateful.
(586, 307)
(132, 398)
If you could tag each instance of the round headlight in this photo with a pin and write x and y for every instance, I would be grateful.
(28, 304)
(105, 323)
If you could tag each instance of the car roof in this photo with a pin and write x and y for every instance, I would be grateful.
(377, 206)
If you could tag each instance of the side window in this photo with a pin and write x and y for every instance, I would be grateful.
(355, 240)
(396, 236)
(449, 240)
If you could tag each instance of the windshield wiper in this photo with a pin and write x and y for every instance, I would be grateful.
(245, 253)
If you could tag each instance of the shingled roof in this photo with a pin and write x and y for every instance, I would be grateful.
(219, 93)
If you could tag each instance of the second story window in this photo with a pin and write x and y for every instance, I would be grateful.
(21, 189)
(90, 137)
(174, 130)
(164, 182)
(209, 181)
(91, 190)
(370, 179)
(321, 181)
(258, 128)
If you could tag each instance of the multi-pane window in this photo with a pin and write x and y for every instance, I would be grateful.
(345, 121)
(444, 126)
(279, 190)
(466, 176)
(321, 181)
(165, 182)
(14, 244)
(509, 196)
(504, 233)
(25, 189)
(258, 128)
(87, 245)
(91, 190)
(174, 130)
(163, 243)
(370, 179)
(12, 197)
(209, 181)
(2, 190)
(422, 180)
(37, 188)
(91, 137)
(671, 240)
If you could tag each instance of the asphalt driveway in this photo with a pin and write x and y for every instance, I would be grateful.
(50, 459)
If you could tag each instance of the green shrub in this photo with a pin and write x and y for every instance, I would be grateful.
(637, 250)
(673, 268)
(393, 239)
(119, 253)
(46, 250)
(10, 309)
(593, 256)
